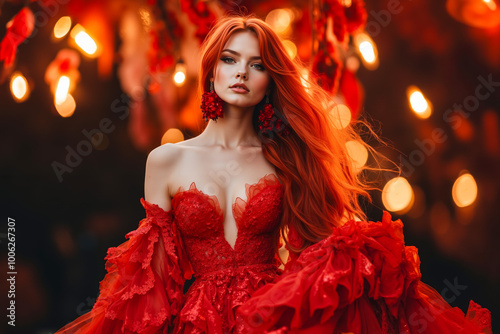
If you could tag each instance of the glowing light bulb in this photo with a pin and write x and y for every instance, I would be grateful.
(172, 135)
(62, 27)
(397, 195)
(418, 103)
(67, 107)
(19, 87)
(464, 191)
(180, 74)
(367, 49)
(179, 78)
(357, 152)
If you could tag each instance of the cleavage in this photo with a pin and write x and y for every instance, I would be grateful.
(239, 203)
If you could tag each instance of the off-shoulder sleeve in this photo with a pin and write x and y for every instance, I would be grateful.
(142, 291)
(361, 279)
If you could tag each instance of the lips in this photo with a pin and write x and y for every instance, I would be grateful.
(240, 85)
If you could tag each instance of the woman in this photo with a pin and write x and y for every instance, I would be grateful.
(268, 164)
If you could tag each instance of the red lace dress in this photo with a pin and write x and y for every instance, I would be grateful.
(362, 279)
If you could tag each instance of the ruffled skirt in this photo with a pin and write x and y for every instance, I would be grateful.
(361, 279)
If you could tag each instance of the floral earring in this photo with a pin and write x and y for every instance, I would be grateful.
(211, 104)
(269, 122)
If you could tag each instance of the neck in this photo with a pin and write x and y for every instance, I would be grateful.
(233, 131)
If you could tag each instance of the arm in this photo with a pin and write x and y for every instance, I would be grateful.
(158, 168)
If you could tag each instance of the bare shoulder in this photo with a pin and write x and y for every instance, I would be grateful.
(159, 166)
(167, 155)
(163, 155)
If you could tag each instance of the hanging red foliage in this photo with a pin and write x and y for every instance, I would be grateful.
(18, 29)
(355, 16)
(326, 68)
(335, 19)
(200, 15)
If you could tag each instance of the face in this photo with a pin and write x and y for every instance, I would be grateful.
(240, 64)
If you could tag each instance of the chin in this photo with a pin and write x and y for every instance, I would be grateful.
(241, 104)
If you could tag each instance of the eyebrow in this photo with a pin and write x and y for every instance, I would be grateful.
(238, 54)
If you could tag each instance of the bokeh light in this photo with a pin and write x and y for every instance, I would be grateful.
(476, 13)
(180, 74)
(357, 152)
(179, 78)
(67, 107)
(304, 78)
(280, 19)
(84, 41)
(172, 135)
(340, 115)
(62, 27)
(367, 49)
(19, 87)
(464, 191)
(491, 4)
(418, 103)
(291, 48)
(62, 89)
(397, 195)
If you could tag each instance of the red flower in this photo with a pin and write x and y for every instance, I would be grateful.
(269, 122)
(211, 106)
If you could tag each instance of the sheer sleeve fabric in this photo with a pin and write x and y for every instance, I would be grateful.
(142, 291)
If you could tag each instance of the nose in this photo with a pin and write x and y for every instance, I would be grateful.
(241, 74)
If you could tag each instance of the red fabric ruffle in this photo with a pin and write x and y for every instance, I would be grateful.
(361, 279)
(142, 290)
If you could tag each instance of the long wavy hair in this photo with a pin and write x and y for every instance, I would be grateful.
(321, 185)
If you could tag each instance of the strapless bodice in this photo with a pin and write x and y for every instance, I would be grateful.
(199, 220)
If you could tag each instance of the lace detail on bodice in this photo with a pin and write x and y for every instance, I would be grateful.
(199, 219)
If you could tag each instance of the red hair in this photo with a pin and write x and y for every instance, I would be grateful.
(321, 186)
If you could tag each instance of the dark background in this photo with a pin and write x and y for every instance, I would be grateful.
(63, 229)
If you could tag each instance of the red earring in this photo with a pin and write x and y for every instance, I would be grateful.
(269, 122)
(211, 104)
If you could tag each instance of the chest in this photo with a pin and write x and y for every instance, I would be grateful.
(224, 175)
(199, 215)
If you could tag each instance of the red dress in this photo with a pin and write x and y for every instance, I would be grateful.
(361, 279)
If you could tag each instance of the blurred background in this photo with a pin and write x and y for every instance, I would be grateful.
(89, 88)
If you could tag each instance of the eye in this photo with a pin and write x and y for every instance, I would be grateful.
(258, 66)
(227, 59)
